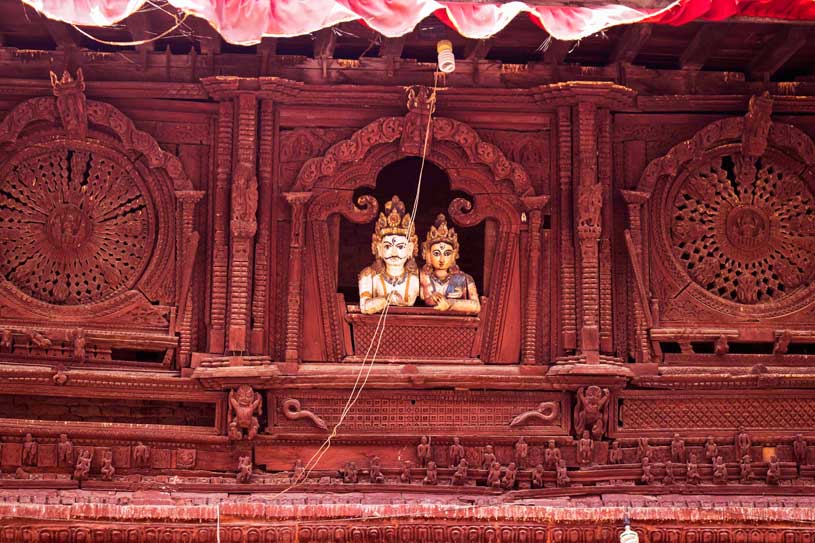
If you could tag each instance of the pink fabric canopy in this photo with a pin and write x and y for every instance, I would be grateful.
(247, 21)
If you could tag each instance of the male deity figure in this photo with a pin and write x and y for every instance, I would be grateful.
(589, 413)
(244, 403)
(141, 455)
(743, 442)
(521, 452)
(29, 451)
(585, 449)
(551, 455)
(677, 449)
(423, 451)
(393, 277)
(443, 285)
(456, 452)
(65, 451)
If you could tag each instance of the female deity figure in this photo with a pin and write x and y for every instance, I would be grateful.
(443, 285)
(393, 277)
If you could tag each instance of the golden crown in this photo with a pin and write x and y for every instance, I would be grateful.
(439, 233)
(395, 221)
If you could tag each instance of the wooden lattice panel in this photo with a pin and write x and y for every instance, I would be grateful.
(75, 225)
(715, 411)
(432, 412)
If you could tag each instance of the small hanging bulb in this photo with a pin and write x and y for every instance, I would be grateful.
(447, 61)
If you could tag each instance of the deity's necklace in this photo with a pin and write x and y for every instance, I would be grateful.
(394, 281)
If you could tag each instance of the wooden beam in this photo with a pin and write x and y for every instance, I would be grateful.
(325, 41)
(477, 49)
(631, 41)
(207, 37)
(62, 33)
(392, 47)
(557, 51)
(776, 52)
(140, 27)
(702, 46)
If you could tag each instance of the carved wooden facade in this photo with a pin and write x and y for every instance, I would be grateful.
(170, 302)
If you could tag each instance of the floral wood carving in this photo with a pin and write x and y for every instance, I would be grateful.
(71, 104)
(76, 226)
(739, 227)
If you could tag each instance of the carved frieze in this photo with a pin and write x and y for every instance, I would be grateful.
(423, 412)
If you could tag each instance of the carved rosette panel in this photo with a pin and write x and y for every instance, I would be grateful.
(744, 232)
(738, 231)
(75, 224)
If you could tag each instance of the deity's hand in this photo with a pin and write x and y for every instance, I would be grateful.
(395, 298)
(435, 298)
(443, 305)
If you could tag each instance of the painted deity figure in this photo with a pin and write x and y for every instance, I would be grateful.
(244, 403)
(393, 277)
(443, 285)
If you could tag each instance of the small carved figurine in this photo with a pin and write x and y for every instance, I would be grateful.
(719, 471)
(647, 477)
(298, 471)
(721, 347)
(350, 473)
(743, 443)
(551, 455)
(537, 476)
(773, 471)
(20, 473)
(443, 285)
(244, 404)
(7, 339)
(393, 277)
(405, 475)
(107, 468)
(585, 449)
(456, 452)
(670, 477)
(693, 477)
(521, 452)
(460, 475)
(562, 475)
(375, 471)
(711, 449)
(643, 448)
(589, 412)
(244, 469)
(782, 342)
(29, 451)
(65, 451)
(83, 465)
(141, 455)
(423, 451)
(746, 475)
(494, 475)
(510, 477)
(432, 474)
(677, 449)
(615, 453)
(77, 337)
(799, 449)
(487, 457)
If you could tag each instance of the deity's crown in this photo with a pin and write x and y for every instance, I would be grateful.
(67, 84)
(395, 221)
(439, 233)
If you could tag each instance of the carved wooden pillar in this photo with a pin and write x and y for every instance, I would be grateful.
(589, 207)
(634, 201)
(604, 170)
(243, 223)
(568, 300)
(534, 208)
(187, 241)
(297, 201)
(220, 250)
(266, 164)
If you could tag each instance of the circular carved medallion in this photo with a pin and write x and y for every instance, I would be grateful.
(744, 230)
(75, 226)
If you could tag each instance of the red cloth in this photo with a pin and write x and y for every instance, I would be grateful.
(247, 21)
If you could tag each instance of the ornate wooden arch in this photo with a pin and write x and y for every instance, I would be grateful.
(324, 186)
(741, 242)
(67, 123)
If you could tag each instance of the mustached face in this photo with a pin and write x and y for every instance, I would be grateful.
(395, 250)
(441, 256)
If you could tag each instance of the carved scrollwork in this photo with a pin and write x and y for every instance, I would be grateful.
(291, 410)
